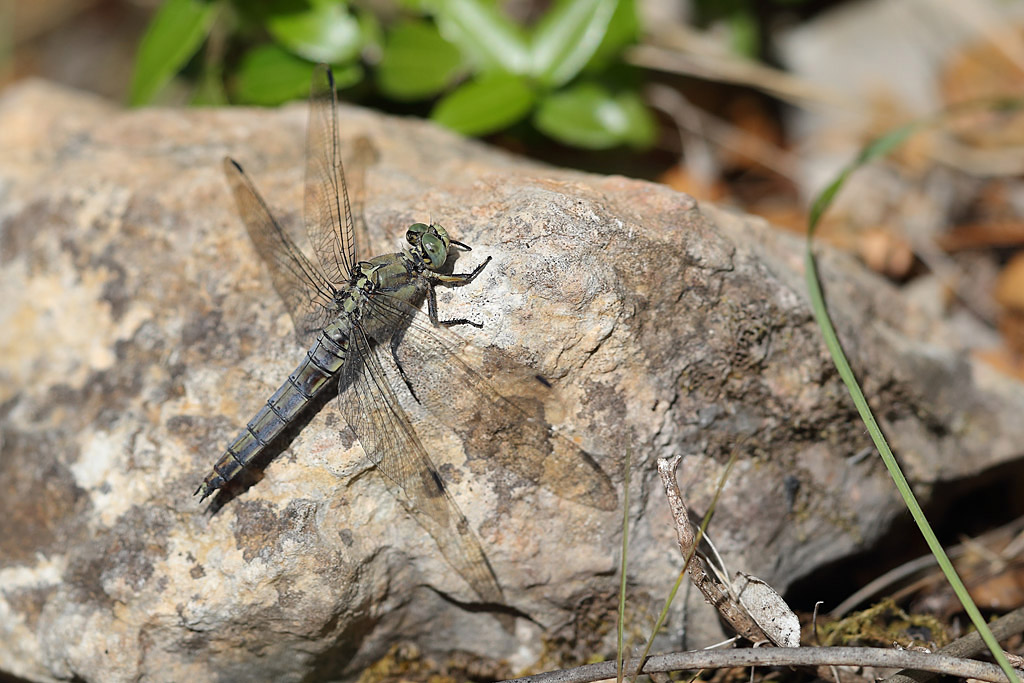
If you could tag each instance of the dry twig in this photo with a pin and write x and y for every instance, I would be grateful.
(784, 656)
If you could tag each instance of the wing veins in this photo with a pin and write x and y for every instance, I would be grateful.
(331, 231)
(305, 290)
(393, 446)
(432, 360)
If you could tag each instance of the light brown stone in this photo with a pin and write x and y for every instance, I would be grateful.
(140, 332)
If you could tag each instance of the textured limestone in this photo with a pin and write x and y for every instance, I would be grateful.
(140, 332)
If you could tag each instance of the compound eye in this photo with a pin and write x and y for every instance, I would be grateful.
(415, 232)
(434, 250)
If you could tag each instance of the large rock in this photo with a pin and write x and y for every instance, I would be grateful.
(140, 332)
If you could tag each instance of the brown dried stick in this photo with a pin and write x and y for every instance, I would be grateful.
(715, 593)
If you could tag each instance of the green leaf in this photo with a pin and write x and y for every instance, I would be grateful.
(415, 6)
(371, 35)
(417, 62)
(320, 31)
(485, 105)
(746, 35)
(641, 128)
(567, 37)
(347, 75)
(172, 37)
(590, 116)
(269, 75)
(484, 35)
(623, 29)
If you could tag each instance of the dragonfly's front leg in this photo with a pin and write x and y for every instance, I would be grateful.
(453, 280)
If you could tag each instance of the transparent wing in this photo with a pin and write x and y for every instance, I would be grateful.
(373, 412)
(303, 287)
(363, 155)
(512, 428)
(328, 213)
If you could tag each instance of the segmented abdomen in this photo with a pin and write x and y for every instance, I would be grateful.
(322, 361)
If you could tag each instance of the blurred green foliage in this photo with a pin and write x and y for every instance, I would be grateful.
(478, 70)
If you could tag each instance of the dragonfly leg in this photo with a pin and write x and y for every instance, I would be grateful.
(453, 280)
(459, 279)
(432, 312)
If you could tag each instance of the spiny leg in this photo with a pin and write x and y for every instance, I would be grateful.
(453, 280)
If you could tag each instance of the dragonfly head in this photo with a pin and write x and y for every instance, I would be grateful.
(431, 243)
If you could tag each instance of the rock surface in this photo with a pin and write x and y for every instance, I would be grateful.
(140, 332)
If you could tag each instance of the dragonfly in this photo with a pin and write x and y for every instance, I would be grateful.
(367, 338)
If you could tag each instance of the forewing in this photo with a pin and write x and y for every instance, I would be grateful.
(304, 289)
(372, 411)
(511, 429)
(328, 214)
(363, 155)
